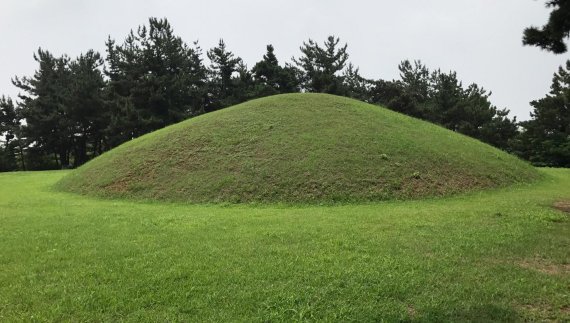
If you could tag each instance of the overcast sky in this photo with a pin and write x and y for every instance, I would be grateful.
(480, 39)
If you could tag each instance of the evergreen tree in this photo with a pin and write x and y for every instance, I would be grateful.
(267, 73)
(321, 67)
(393, 95)
(222, 83)
(416, 82)
(45, 107)
(155, 79)
(551, 36)
(10, 130)
(446, 101)
(356, 86)
(500, 131)
(244, 86)
(546, 137)
(88, 111)
(409, 95)
(468, 110)
(63, 110)
(271, 78)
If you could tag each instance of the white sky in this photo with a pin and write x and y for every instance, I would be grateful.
(480, 39)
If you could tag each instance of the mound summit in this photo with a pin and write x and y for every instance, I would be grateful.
(297, 148)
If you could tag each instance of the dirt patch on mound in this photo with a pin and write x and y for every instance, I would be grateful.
(562, 206)
(545, 267)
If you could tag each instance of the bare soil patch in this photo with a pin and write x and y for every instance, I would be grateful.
(545, 267)
(562, 206)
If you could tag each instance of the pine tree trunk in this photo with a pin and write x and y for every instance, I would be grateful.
(21, 155)
(56, 160)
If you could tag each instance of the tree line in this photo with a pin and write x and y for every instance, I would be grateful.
(74, 109)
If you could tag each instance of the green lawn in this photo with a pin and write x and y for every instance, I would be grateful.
(502, 255)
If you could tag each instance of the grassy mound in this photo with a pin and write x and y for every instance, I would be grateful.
(297, 148)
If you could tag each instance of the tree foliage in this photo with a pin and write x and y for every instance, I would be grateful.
(46, 106)
(224, 77)
(552, 35)
(10, 148)
(155, 79)
(63, 109)
(546, 137)
(88, 113)
(322, 66)
(271, 78)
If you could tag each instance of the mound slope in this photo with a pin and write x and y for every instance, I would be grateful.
(297, 148)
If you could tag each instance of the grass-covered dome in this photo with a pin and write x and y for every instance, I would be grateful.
(298, 148)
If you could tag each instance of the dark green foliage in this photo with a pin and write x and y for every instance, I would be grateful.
(551, 36)
(500, 130)
(7, 159)
(445, 101)
(354, 85)
(271, 78)
(46, 106)
(416, 82)
(223, 85)
(88, 113)
(322, 66)
(63, 108)
(393, 95)
(155, 79)
(9, 128)
(8, 118)
(546, 137)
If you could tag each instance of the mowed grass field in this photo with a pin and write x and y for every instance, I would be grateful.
(500, 255)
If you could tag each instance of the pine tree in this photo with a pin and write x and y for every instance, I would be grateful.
(546, 137)
(88, 110)
(416, 81)
(551, 36)
(223, 65)
(10, 129)
(244, 86)
(356, 86)
(322, 66)
(155, 79)
(45, 107)
(446, 102)
(271, 78)
(267, 72)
